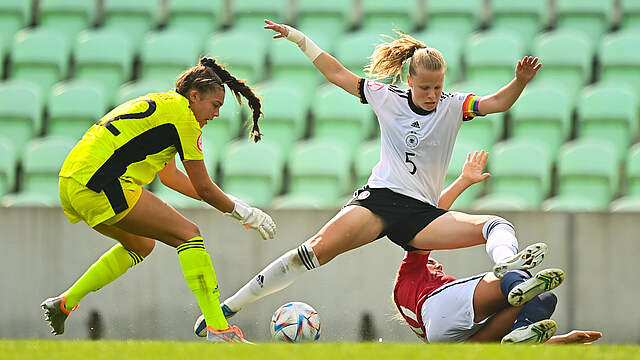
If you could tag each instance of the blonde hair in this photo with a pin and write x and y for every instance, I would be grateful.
(388, 58)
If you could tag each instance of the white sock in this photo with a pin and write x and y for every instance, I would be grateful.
(501, 239)
(275, 277)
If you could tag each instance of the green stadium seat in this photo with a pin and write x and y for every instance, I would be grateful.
(492, 56)
(74, 107)
(217, 133)
(587, 177)
(567, 57)
(609, 113)
(14, 15)
(331, 17)
(199, 17)
(456, 163)
(524, 18)
(134, 89)
(285, 115)
(41, 57)
(451, 49)
(354, 49)
(630, 11)
(591, 17)
(619, 60)
(105, 58)
(8, 166)
(133, 18)
(319, 173)
(42, 160)
(521, 174)
(21, 106)
(459, 18)
(290, 65)
(252, 172)
(67, 16)
(631, 200)
(498, 203)
(542, 113)
(339, 116)
(368, 157)
(174, 198)
(249, 15)
(384, 16)
(230, 48)
(166, 54)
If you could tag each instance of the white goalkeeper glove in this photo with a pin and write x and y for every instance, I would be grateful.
(254, 218)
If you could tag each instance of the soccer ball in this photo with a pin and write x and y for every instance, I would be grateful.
(295, 322)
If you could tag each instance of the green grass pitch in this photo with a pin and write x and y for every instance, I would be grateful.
(131, 350)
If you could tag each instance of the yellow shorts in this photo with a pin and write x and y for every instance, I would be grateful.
(82, 203)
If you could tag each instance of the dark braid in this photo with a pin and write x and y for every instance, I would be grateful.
(239, 87)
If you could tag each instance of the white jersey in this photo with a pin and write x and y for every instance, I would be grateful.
(416, 144)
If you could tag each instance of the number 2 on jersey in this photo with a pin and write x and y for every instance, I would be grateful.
(407, 160)
(139, 115)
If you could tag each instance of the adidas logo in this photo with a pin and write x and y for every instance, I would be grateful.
(415, 125)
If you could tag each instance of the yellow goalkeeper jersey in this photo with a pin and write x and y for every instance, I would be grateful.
(135, 141)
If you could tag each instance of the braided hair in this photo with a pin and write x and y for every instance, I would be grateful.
(208, 75)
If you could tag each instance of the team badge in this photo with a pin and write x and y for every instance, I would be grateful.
(199, 143)
(411, 140)
(363, 195)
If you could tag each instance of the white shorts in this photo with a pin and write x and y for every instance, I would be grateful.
(448, 314)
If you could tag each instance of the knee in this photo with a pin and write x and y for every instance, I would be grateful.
(494, 222)
(320, 251)
(146, 247)
(549, 301)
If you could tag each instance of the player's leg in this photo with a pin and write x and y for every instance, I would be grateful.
(497, 327)
(352, 227)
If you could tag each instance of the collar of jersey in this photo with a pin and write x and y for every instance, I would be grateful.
(416, 109)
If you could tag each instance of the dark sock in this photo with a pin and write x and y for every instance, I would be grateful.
(511, 279)
(539, 308)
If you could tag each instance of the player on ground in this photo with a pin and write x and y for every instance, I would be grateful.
(418, 128)
(100, 183)
(512, 305)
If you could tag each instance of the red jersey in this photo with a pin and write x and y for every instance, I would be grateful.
(415, 281)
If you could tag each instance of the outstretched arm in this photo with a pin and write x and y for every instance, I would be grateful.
(327, 64)
(471, 174)
(576, 337)
(503, 99)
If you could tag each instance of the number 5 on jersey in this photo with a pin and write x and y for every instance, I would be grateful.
(413, 169)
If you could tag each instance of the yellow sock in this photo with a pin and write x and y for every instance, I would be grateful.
(201, 278)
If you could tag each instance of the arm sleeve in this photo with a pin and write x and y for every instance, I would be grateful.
(372, 92)
(190, 139)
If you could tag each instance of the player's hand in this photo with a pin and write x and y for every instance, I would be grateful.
(254, 218)
(576, 337)
(472, 170)
(527, 68)
(282, 30)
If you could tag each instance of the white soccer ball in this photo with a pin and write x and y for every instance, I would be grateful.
(295, 322)
(200, 327)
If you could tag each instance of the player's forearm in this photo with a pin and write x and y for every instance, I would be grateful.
(180, 182)
(507, 96)
(214, 196)
(451, 193)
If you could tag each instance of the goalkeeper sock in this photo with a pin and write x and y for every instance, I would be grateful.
(275, 277)
(111, 265)
(201, 278)
(512, 279)
(539, 308)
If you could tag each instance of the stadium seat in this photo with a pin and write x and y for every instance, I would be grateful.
(252, 172)
(230, 48)
(609, 113)
(631, 200)
(285, 116)
(339, 116)
(354, 49)
(521, 174)
(330, 17)
(289, 65)
(21, 106)
(385, 15)
(456, 163)
(41, 57)
(105, 58)
(74, 107)
(591, 17)
(249, 15)
(199, 17)
(8, 166)
(567, 57)
(67, 16)
(217, 133)
(319, 174)
(166, 54)
(451, 49)
(630, 12)
(14, 15)
(134, 89)
(619, 60)
(368, 157)
(587, 177)
(42, 160)
(492, 56)
(174, 198)
(524, 18)
(459, 19)
(133, 18)
(542, 113)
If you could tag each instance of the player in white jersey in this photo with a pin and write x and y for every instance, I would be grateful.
(418, 127)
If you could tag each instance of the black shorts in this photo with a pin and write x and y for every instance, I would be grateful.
(404, 216)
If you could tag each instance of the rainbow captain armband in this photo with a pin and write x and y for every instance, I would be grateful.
(470, 107)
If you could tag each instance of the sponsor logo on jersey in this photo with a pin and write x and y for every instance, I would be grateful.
(260, 280)
(374, 86)
(199, 142)
(363, 195)
(415, 124)
(411, 140)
